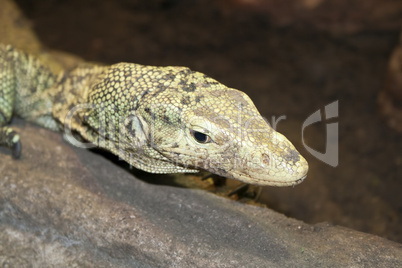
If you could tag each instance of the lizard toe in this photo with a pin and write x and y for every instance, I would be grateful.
(16, 150)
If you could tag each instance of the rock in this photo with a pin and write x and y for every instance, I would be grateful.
(15, 29)
(61, 205)
(335, 16)
(390, 98)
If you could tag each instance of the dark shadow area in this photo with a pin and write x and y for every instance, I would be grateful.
(158, 179)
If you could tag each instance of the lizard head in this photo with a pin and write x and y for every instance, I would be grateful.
(195, 122)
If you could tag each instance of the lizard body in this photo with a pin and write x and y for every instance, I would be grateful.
(158, 119)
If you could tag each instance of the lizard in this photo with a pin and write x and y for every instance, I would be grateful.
(160, 119)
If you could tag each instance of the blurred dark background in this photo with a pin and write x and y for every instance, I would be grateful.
(292, 57)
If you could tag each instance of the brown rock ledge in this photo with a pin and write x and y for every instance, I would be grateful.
(64, 206)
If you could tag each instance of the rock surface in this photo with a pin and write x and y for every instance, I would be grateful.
(338, 17)
(390, 98)
(65, 206)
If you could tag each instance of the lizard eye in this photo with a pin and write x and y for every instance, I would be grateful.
(200, 137)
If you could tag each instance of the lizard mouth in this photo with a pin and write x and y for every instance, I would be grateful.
(267, 182)
(257, 177)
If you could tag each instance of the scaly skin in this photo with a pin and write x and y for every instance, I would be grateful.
(158, 119)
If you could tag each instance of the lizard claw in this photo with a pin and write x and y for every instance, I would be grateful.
(248, 191)
(16, 150)
(240, 190)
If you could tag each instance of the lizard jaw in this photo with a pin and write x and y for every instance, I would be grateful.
(279, 172)
(264, 182)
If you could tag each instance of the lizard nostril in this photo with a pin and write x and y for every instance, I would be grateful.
(266, 159)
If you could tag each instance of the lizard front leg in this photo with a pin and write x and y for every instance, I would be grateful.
(25, 85)
(8, 137)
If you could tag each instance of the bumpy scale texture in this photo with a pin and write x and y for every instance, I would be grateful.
(158, 119)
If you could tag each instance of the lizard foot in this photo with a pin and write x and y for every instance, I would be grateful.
(218, 180)
(242, 191)
(9, 138)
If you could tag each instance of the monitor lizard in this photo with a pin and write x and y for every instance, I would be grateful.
(158, 119)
